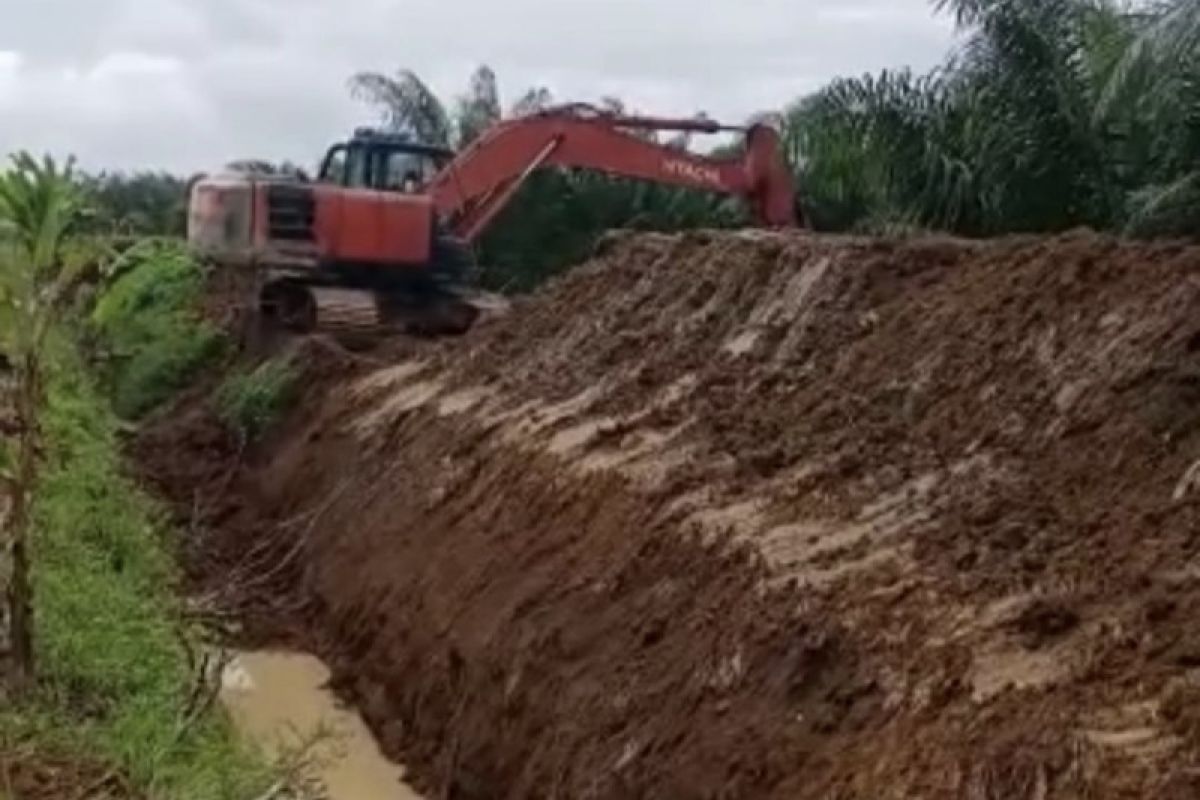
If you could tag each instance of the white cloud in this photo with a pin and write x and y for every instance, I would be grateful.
(125, 65)
(186, 84)
(158, 25)
(10, 72)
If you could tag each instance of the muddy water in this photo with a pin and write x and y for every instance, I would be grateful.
(279, 699)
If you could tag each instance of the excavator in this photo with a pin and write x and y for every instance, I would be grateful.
(383, 239)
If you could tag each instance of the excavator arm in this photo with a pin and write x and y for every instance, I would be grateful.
(477, 185)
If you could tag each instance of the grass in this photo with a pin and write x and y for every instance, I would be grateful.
(150, 333)
(112, 644)
(250, 402)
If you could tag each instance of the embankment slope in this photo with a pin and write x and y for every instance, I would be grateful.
(758, 515)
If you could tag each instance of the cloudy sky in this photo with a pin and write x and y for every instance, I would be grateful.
(187, 84)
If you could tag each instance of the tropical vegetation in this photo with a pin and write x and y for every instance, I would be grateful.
(135, 204)
(39, 205)
(248, 402)
(1050, 114)
(146, 336)
(99, 661)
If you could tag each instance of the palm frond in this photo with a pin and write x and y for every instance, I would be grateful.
(406, 105)
(40, 204)
(535, 100)
(479, 108)
(1172, 209)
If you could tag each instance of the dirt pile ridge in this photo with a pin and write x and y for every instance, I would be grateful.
(764, 515)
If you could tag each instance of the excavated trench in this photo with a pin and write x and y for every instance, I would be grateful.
(749, 515)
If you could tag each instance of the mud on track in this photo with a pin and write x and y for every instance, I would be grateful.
(752, 515)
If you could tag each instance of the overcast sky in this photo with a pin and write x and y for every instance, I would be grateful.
(189, 84)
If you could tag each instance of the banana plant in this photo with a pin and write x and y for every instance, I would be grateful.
(39, 207)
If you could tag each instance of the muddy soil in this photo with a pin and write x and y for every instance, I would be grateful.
(28, 775)
(750, 515)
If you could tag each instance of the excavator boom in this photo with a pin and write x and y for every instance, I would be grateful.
(475, 186)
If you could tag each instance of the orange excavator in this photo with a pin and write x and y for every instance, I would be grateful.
(383, 239)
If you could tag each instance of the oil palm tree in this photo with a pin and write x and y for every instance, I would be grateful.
(407, 105)
(1052, 113)
(1157, 84)
(479, 108)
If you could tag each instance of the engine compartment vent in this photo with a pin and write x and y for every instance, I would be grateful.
(291, 210)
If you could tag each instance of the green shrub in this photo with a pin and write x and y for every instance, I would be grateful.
(111, 639)
(150, 335)
(250, 402)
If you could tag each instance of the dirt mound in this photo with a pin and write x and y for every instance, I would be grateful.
(758, 515)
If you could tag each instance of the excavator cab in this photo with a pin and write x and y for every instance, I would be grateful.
(384, 162)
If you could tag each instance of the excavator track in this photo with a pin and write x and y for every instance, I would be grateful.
(360, 317)
(348, 312)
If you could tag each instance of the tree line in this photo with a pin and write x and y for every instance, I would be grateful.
(1051, 114)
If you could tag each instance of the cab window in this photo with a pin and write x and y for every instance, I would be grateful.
(333, 170)
(377, 168)
(404, 172)
(358, 168)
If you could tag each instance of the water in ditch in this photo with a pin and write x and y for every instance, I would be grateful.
(280, 700)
